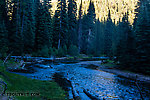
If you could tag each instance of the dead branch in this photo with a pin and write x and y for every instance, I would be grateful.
(7, 57)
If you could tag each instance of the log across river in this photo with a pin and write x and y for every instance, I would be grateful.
(91, 84)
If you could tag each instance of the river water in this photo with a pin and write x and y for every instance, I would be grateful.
(100, 84)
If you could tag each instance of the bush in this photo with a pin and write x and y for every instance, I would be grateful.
(51, 52)
(44, 52)
(73, 50)
(60, 52)
(3, 52)
(65, 49)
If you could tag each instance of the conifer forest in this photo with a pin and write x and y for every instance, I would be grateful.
(115, 29)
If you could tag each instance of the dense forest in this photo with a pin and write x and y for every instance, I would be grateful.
(27, 27)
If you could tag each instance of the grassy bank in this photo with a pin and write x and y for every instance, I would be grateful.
(20, 84)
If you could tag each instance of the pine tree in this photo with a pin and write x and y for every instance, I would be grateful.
(15, 38)
(28, 26)
(84, 35)
(88, 28)
(3, 38)
(43, 31)
(60, 34)
(126, 47)
(56, 29)
(64, 23)
(98, 40)
(142, 31)
(91, 18)
(108, 36)
(80, 28)
(72, 22)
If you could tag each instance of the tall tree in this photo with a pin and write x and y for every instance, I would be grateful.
(88, 28)
(61, 24)
(28, 25)
(72, 22)
(126, 46)
(142, 31)
(15, 38)
(56, 29)
(3, 30)
(80, 28)
(91, 18)
(98, 39)
(43, 31)
(108, 36)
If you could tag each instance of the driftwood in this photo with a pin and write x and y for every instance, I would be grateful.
(70, 95)
(7, 57)
(23, 66)
(75, 94)
(139, 88)
(90, 95)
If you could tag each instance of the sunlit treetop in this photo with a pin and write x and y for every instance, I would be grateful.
(118, 8)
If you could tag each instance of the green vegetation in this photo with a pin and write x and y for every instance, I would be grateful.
(26, 27)
(20, 84)
(73, 50)
(110, 64)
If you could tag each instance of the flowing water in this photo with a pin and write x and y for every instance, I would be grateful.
(102, 85)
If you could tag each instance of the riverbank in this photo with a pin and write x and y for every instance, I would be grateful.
(88, 78)
(23, 88)
(111, 69)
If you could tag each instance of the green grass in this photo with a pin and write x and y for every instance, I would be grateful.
(110, 64)
(20, 84)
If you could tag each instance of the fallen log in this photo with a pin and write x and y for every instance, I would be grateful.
(7, 57)
(90, 95)
(70, 95)
(75, 94)
(139, 88)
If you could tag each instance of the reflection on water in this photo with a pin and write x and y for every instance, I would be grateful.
(144, 87)
(118, 8)
(101, 84)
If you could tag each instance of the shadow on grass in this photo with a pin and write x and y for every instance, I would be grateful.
(48, 90)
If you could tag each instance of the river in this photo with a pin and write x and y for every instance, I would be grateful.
(101, 84)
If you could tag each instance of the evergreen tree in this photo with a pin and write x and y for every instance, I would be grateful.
(15, 36)
(43, 31)
(142, 31)
(80, 28)
(108, 36)
(84, 37)
(99, 41)
(88, 28)
(72, 22)
(56, 29)
(60, 25)
(3, 36)
(126, 47)
(91, 18)
(28, 26)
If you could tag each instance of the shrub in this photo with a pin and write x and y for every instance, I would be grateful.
(3, 52)
(44, 52)
(60, 52)
(65, 49)
(73, 50)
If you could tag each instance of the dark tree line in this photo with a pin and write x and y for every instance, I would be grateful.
(27, 27)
